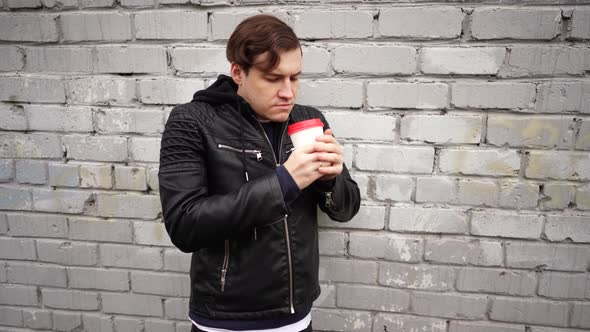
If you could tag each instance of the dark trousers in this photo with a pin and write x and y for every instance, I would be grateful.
(195, 329)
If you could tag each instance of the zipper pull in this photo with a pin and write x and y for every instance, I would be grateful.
(258, 155)
(290, 150)
(255, 235)
(223, 272)
(329, 199)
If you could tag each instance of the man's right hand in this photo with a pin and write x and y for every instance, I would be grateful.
(303, 165)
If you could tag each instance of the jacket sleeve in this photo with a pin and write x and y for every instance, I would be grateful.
(339, 198)
(193, 218)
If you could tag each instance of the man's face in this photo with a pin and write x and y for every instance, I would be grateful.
(271, 94)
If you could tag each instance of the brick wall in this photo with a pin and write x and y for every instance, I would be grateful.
(465, 123)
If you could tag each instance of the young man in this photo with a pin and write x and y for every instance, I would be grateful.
(237, 195)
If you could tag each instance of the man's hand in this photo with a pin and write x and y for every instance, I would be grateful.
(330, 154)
(303, 165)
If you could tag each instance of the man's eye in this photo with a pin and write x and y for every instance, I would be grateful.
(272, 79)
(294, 78)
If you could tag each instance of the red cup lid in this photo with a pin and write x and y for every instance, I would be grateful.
(306, 124)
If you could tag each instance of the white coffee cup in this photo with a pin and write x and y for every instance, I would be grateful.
(304, 132)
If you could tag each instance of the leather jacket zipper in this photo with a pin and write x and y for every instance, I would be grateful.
(225, 265)
(258, 153)
(290, 265)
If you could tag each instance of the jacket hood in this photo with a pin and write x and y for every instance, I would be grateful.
(222, 91)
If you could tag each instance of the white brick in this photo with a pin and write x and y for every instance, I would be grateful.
(407, 95)
(413, 276)
(138, 3)
(125, 206)
(32, 89)
(59, 59)
(580, 314)
(160, 284)
(130, 178)
(442, 129)
(393, 187)
(170, 91)
(68, 299)
(38, 225)
(132, 304)
(176, 308)
(120, 120)
(461, 60)
(65, 201)
(387, 247)
(340, 320)
(67, 253)
(333, 24)
(495, 23)
(331, 93)
(394, 322)
(548, 256)
(368, 217)
(563, 285)
(518, 194)
(14, 248)
(316, 60)
(558, 165)
(64, 175)
(131, 59)
(428, 220)
(24, 3)
(12, 117)
(479, 162)
(506, 224)
(60, 4)
(493, 95)
(200, 60)
(12, 58)
(557, 195)
(96, 26)
(450, 305)
(36, 274)
(30, 146)
(144, 149)
(362, 126)
(131, 256)
(100, 230)
(375, 59)
(101, 91)
(98, 323)
(581, 23)
(7, 171)
(574, 228)
(529, 311)
(15, 199)
(28, 27)
(176, 260)
(467, 326)
(443, 22)
(564, 97)
(170, 25)
(332, 243)
(583, 140)
(531, 132)
(477, 192)
(152, 179)
(96, 3)
(59, 118)
(66, 320)
(347, 270)
(96, 176)
(11, 317)
(224, 23)
(473, 252)
(96, 148)
(372, 298)
(327, 297)
(497, 281)
(153, 325)
(151, 233)
(436, 190)
(31, 171)
(37, 319)
(395, 159)
(583, 197)
(18, 295)
(524, 61)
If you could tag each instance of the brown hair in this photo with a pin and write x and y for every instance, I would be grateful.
(259, 34)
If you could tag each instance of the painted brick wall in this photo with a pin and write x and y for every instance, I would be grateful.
(465, 123)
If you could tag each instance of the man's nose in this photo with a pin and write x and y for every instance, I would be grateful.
(286, 90)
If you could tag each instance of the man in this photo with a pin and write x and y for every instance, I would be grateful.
(237, 195)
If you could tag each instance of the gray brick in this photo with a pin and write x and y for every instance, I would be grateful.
(479, 162)
(171, 25)
(101, 91)
(30, 146)
(32, 89)
(463, 326)
(443, 22)
(583, 197)
(476, 192)
(563, 97)
(67, 253)
(362, 126)
(531, 132)
(472, 252)
(151, 233)
(96, 148)
(493, 95)
(100, 230)
(176, 308)
(12, 117)
(563, 165)
(152, 179)
(442, 129)
(340, 320)
(332, 243)
(563, 285)
(134, 257)
(31, 171)
(520, 283)
(581, 315)
(66, 321)
(124, 206)
(557, 195)
(394, 322)
(327, 297)
(13, 248)
(388, 247)
(59, 59)
(18, 295)
(412, 276)
(3, 230)
(548, 256)
(130, 178)
(65, 201)
(13, 59)
(368, 217)
(64, 175)
(169, 90)
(347, 94)
(160, 284)
(175, 260)
(372, 298)
(375, 59)
(103, 279)
(37, 319)
(96, 176)
(7, 171)
(24, 3)
(407, 95)
(58, 118)
(96, 3)
(529, 311)
(395, 159)
(333, 24)
(96, 26)
(461, 60)
(69, 299)
(450, 305)
(581, 23)
(36, 225)
(347, 270)
(427, 220)
(560, 228)
(98, 323)
(393, 187)
(317, 60)
(11, 316)
(524, 61)
(131, 59)
(155, 325)
(28, 27)
(132, 304)
(362, 181)
(495, 23)
(506, 224)
(223, 23)
(60, 4)
(436, 190)
(15, 199)
(583, 140)
(127, 324)
(200, 60)
(186, 327)
(144, 149)
(138, 3)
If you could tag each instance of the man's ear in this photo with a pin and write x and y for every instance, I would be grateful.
(237, 73)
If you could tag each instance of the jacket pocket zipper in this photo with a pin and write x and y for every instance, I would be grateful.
(258, 153)
(225, 265)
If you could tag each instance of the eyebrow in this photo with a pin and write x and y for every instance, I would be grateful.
(275, 74)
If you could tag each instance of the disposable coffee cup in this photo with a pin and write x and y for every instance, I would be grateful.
(304, 132)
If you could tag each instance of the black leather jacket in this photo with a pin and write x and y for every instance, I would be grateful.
(253, 256)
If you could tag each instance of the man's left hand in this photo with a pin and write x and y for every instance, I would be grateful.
(330, 155)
